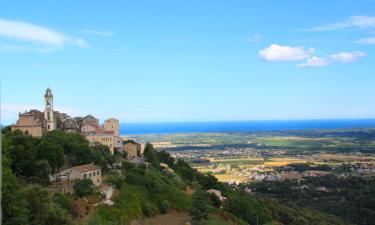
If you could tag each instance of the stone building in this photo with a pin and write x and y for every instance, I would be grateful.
(31, 122)
(88, 124)
(132, 148)
(37, 123)
(89, 171)
(112, 124)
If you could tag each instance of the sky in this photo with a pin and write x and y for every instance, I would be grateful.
(212, 60)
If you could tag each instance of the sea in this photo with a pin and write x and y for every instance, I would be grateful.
(243, 126)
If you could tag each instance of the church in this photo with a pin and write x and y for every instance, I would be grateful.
(37, 123)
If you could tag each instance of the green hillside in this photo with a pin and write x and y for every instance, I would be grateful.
(158, 186)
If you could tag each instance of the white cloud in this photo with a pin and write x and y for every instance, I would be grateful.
(347, 56)
(343, 57)
(368, 41)
(256, 38)
(351, 22)
(33, 33)
(98, 32)
(284, 53)
(314, 62)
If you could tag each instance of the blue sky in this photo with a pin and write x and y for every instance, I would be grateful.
(157, 61)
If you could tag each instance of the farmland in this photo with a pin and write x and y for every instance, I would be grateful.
(246, 156)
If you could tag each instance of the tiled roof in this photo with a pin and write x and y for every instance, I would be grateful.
(86, 168)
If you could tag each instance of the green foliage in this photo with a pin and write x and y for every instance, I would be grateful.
(62, 200)
(349, 198)
(248, 208)
(115, 179)
(144, 192)
(150, 155)
(199, 207)
(83, 187)
(42, 170)
(166, 158)
(14, 211)
(128, 206)
(164, 206)
(53, 153)
(102, 156)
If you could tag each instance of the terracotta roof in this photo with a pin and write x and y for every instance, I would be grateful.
(86, 168)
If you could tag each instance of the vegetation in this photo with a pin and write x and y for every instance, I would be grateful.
(83, 187)
(27, 163)
(148, 189)
(199, 207)
(351, 199)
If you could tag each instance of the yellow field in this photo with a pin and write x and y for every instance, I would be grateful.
(236, 159)
(229, 178)
(283, 163)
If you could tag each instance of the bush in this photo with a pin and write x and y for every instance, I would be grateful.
(164, 207)
(149, 209)
(83, 187)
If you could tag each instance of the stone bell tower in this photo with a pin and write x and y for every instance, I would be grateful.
(48, 112)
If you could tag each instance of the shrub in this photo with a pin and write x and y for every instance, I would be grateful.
(164, 206)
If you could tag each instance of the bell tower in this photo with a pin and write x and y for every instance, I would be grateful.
(48, 112)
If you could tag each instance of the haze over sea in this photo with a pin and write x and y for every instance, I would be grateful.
(243, 126)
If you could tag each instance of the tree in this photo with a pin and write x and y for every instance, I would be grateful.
(41, 173)
(41, 208)
(150, 155)
(148, 147)
(165, 157)
(115, 179)
(13, 204)
(22, 152)
(102, 156)
(53, 153)
(83, 187)
(199, 207)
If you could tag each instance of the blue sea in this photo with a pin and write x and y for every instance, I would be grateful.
(243, 126)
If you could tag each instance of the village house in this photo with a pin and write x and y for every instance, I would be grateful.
(87, 171)
(132, 148)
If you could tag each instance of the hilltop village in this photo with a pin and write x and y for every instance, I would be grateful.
(37, 123)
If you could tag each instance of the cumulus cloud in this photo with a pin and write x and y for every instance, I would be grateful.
(285, 53)
(367, 41)
(33, 33)
(100, 33)
(351, 22)
(347, 56)
(314, 62)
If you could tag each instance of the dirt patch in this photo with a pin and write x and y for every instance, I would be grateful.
(171, 218)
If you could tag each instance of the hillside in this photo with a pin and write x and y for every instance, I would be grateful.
(143, 192)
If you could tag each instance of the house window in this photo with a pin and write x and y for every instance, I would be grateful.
(97, 173)
(89, 174)
(84, 176)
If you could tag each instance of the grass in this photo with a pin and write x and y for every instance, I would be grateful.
(216, 220)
